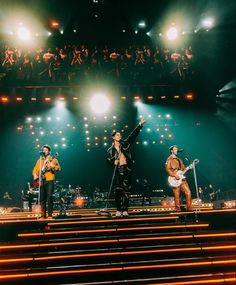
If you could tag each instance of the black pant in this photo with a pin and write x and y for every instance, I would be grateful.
(46, 197)
(122, 187)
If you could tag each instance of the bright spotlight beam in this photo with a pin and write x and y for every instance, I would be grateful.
(99, 103)
(208, 23)
(172, 33)
(23, 34)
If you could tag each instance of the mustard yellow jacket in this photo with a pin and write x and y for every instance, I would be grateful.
(49, 175)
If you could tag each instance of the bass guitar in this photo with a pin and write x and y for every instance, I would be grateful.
(45, 168)
(177, 182)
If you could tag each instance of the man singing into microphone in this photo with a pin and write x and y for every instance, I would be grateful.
(49, 165)
(119, 155)
(173, 164)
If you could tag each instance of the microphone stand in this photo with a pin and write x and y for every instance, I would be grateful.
(39, 188)
(105, 211)
(196, 188)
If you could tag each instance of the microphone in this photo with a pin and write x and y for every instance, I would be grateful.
(181, 150)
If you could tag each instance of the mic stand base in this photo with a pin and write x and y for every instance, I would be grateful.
(103, 212)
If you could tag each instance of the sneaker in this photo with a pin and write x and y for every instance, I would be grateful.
(125, 214)
(118, 214)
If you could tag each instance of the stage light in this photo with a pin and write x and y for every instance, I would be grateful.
(87, 132)
(195, 31)
(55, 145)
(114, 117)
(19, 99)
(176, 97)
(150, 97)
(74, 30)
(64, 145)
(29, 119)
(47, 99)
(163, 97)
(63, 139)
(136, 97)
(172, 33)
(86, 125)
(37, 35)
(88, 138)
(160, 34)
(49, 33)
(62, 32)
(99, 103)
(123, 97)
(123, 30)
(60, 132)
(55, 24)
(105, 117)
(38, 119)
(33, 99)
(49, 119)
(148, 33)
(41, 133)
(208, 23)
(60, 104)
(58, 118)
(168, 116)
(85, 118)
(23, 34)
(148, 130)
(75, 98)
(145, 143)
(170, 135)
(142, 24)
(189, 97)
(4, 99)
(136, 32)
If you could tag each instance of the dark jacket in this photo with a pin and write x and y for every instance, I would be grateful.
(112, 153)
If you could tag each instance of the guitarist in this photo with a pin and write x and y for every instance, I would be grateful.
(173, 164)
(49, 166)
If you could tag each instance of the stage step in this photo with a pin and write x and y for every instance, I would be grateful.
(143, 249)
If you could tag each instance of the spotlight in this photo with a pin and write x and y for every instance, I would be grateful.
(23, 34)
(172, 33)
(189, 96)
(136, 32)
(99, 103)
(60, 104)
(208, 23)
(142, 24)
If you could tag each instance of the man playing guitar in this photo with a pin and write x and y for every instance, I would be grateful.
(173, 165)
(49, 165)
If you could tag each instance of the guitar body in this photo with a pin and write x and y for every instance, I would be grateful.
(176, 182)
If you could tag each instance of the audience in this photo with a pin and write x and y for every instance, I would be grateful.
(74, 63)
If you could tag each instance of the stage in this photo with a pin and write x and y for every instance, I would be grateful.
(151, 246)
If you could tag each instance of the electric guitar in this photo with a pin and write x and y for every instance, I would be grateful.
(44, 169)
(177, 182)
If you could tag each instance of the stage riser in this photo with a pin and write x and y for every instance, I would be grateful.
(112, 250)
